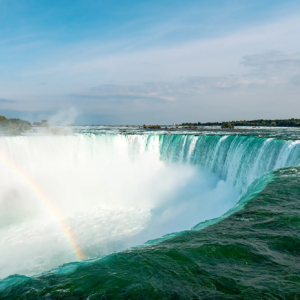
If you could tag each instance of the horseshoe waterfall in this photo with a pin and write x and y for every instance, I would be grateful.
(120, 215)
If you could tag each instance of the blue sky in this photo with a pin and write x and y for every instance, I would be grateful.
(136, 62)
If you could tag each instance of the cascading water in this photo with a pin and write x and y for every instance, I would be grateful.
(118, 191)
(238, 160)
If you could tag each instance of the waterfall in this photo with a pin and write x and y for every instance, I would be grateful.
(117, 191)
(238, 160)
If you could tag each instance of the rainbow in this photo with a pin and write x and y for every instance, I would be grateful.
(50, 206)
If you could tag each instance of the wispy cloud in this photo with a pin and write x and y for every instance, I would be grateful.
(272, 60)
(124, 96)
(199, 57)
(2, 100)
(144, 92)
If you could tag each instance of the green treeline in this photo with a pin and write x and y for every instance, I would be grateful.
(13, 126)
(272, 123)
(227, 126)
(152, 127)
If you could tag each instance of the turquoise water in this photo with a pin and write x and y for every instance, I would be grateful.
(252, 251)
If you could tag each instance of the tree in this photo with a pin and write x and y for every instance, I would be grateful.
(13, 126)
(227, 125)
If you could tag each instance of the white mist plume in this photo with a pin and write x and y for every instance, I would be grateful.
(64, 117)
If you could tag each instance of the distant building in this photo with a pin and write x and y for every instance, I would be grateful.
(175, 124)
(44, 123)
